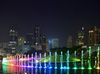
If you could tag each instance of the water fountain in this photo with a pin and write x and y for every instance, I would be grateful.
(40, 61)
(25, 61)
(55, 60)
(45, 60)
(19, 61)
(95, 62)
(98, 67)
(82, 67)
(89, 60)
(32, 60)
(50, 60)
(36, 61)
(75, 67)
(28, 60)
(67, 60)
(61, 60)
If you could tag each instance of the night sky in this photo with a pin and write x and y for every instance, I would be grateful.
(58, 18)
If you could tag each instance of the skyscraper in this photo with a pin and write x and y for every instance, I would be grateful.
(13, 41)
(37, 35)
(69, 42)
(13, 37)
(47, 45)
(55, 43)
(29, 39)
(43, 42)
(80, 40)
(94, 36)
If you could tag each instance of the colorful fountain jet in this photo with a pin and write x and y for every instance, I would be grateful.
(75, 67)
(82, 67)
(98, 67)
(89, 60)
(61, 60)
(55, 60)
(67, 60)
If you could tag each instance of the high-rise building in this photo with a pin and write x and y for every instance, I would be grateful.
(20, 40)
(43, 42)
(29, 39)
(55, 43)
(47, 45)
(13, 41)
(69, 42)
(37, 35)
(80, 40)
(13, 37)
(94, 36)
(4, 45)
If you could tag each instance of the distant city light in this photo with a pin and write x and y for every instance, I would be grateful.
(82, 28)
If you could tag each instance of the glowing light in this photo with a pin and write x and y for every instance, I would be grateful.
(82, 68)
(55, 67)
(75, 68)
(90, 68)
(67, 67)
(64, 67)
(50, 67)
(45, 67)
(28, 66)
(25, 72)
(97, 67)
(61, 67)
(40, 67)
(36, 61)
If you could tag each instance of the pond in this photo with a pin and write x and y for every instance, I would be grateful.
(4, 69)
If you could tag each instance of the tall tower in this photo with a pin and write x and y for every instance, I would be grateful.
(13, 41)
(55, 43)
(94, 36)
(47, 45)
(37, 35)
(69, 42)
(80, 40)
(43, 42)
(13, 37)
(29, 39)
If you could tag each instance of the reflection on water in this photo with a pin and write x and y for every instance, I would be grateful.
(23, 70)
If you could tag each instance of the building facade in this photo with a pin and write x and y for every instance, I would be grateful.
(20, 40)
(37, 35)
(55, 43)
(13, 41)
(43, 42)
(94, 36)
(13, 37)
(80, 40)
(69, 42)
(29, 39)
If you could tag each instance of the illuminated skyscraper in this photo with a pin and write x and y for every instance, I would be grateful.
(29, 39)
(94, 36)
(80, 40)
(37, 35)
(13, 37)
(20, 40)
(55, 43)
(13, 41)
(69, 42)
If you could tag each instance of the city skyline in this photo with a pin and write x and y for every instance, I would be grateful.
(58, 19)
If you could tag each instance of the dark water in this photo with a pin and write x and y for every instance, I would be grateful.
(23, 70)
